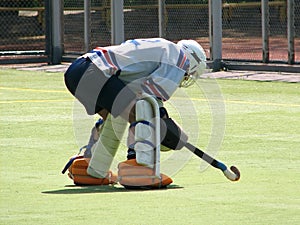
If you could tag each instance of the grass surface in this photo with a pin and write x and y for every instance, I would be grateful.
(261, 137)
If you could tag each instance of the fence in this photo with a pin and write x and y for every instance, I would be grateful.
(54, 30)
(22, 30)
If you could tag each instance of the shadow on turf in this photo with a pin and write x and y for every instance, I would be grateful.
(73, 189)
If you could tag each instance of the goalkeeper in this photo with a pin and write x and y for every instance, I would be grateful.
(109, 81)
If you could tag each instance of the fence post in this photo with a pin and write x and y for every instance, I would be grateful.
(265, 26)
(117, 22)
(55, 31)
(291, 31)
(215, 33)
(162, 18)
(47, 30)
(87, 25)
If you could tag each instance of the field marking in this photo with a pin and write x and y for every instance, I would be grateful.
(249, 102)
(33, 90)
(35, 101)
(195, 99)
(263, 103)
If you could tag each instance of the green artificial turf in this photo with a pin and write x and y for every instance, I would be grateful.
(255, 125)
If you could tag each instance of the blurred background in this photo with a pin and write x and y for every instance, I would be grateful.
(26, 27)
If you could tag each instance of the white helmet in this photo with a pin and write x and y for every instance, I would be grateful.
(197, 57)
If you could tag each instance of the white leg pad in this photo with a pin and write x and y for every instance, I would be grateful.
(104, 150)
(145, 134)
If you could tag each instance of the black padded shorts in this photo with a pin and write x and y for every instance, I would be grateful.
(96, 91)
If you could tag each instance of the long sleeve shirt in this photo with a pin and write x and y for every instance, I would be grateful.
(155, 65)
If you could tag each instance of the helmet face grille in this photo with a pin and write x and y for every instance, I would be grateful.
(187, 81)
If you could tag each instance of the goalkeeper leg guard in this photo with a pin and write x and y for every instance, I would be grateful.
(144, 133)
(144, 170)
(106, 147)
(133, 175)
(78, 173)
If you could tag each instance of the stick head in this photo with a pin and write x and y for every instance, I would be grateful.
(236, 172)
(233, 174)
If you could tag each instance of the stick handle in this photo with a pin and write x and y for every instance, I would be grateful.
(69, 163)
(233, 174)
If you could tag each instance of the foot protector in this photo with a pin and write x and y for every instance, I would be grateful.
(135, 176)
(78, 173)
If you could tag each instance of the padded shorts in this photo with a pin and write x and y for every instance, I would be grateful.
(95, 90)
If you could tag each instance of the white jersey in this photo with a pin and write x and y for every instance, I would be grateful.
(153, 65)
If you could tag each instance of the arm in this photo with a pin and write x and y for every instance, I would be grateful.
(166, 78)
(164, 81)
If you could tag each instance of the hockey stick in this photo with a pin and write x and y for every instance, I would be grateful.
(72, 159)
(233, 174)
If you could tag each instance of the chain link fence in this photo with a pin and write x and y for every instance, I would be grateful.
(140, 19)
(184, 20)
(73, 14)
(188, 20)
(23, 26)
(242, 30)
